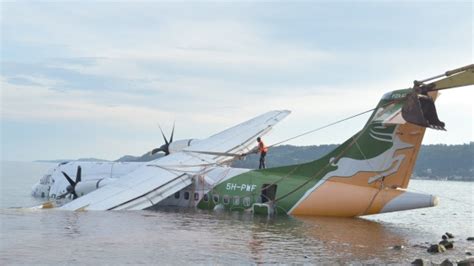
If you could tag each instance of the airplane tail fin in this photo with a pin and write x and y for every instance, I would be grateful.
(365, 173)
(369, 173)
(388, 145)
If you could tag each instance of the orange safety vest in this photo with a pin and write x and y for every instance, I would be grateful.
(262, 147)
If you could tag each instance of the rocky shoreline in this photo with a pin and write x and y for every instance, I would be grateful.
(447, 242)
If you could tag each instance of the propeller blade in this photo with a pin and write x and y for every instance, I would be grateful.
(78, 174)
(164, 138)
(69, 179)
(62, 195)
(156, 150)
(172, 133)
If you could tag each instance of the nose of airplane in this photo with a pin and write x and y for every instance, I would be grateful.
(42, 187)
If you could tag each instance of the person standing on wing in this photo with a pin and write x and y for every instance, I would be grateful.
(263, 152)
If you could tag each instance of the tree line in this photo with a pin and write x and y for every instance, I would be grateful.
(439, 161)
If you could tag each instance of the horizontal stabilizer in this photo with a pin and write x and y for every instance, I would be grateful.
(410, 200)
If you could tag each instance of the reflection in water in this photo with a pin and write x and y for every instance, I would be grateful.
(353, 237)
(320, 239)
(204, 237)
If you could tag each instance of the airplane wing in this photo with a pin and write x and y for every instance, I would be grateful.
(159, 179)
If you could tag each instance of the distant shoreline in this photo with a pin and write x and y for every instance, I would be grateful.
(435, 161)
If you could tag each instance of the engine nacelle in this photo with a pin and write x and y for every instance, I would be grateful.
(179, 145)
(85, 187)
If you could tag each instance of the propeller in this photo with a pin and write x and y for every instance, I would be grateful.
(165, 147)
(71, 189)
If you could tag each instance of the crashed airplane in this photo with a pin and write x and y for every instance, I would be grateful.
(367, 174)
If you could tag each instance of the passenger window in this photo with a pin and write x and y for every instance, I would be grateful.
(246, 201)
(215, 198)
(236, 200)
(176, 195)
(196, 196)
(186, 195)
(205, 198)
(226, 199)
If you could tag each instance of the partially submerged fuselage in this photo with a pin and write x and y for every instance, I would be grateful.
(367, 174)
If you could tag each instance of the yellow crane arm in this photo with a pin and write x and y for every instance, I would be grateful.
(463, 76)
(420, 109)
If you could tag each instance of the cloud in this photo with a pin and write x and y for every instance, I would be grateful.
(126, 66)
(23, 102)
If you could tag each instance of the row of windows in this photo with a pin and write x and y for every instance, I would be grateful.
(215, 198)
(226, 199)
(186, 195)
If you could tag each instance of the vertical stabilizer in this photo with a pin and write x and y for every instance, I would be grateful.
(370, 169)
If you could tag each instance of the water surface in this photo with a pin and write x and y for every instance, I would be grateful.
(171, 236)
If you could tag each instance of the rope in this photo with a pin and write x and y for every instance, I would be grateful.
(354, 141)
(382, 185)
(339, 156)
(319, 128)
(322, 169)
(253, 193)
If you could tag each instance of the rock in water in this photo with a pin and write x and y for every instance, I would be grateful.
(433, 249)
(466, 262)
(470, 238)
(446, 262)
(441, 248)
(447, 244)
(444, 237)
(421, 262)
(449, 235)
(436, 249)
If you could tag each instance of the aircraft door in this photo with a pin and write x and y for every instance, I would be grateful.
(268, 192)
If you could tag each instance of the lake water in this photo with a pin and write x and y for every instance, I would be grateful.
(192, 236)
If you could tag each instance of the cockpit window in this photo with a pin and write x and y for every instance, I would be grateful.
(45, 179)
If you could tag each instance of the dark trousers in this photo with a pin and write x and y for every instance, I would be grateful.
(262, 160)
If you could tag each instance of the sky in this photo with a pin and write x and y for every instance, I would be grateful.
(94, 79)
